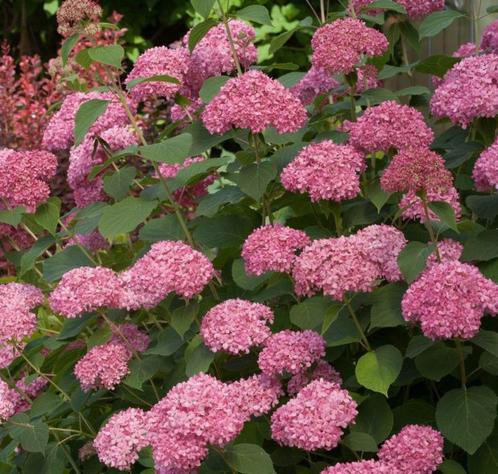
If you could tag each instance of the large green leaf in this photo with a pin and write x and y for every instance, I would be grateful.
(245, 281)
(203, 7)
(248, 459)
(164, 228)
(211, 86)
(437, 361)
(413, 258)
(437, 22)
(209, 205)
(375, 418)
(28, 259)
(310, 313)
(86, 116)
(33, 435)
(118, 183)
(199, 31)
(445, 213)
(488, 340)
(485, 460)
(386, 307)
(223, 231)
(198, 357)
(255, 13)
(70, 258)
(172, 150)
(12, 217)
(386, 5)
(142, 370)
(485, 207)
(47, 214)
(67, 47)
(168, 342)
(254, 178)
(482, 247)
(111, 54)
(157, 78)
(437, 65)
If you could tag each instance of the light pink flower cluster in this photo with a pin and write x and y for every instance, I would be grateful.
(272, 248)
(78, 16)
(314, 83)
(485, 173)
(322, 370)
(24, 177)
(315, 418)
(156, 62)
(16, 400)
(167, 267)
(291, 352)
(236, 325)
(254, 101)
(325, 170)
(417, 9)
(449, 300)
(469, 90)
(119, 441)
(389, 125)
(85, 289)
(338, 46)
(59, 134)
(489, 40)
(449, 250)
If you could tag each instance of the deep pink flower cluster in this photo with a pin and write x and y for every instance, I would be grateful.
(338, 46)
(449, 300)
(59, 134)
(417, 9)
(85, 289)
(469, 90)
(167, 267)
(236, 325)
(254, 101)
(389, 125)
(291, 352)
(156, 62)
(119, 441)
(78, 16)
(24, 177)
(485, 171)
(315, 418)
(449, 250)
(322, 370)
(314, 83)
(272, 248)
(325, 170)
(489, 40)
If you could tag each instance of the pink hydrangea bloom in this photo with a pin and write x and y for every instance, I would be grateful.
(85, 289)
(155, 62)
(131, 337)
(236, 325)
(256, 395)
(389, 125)
(335, 266)
(367, 79)
(272, 248)
(167, 267)
(417, 9)
(465, 50)
(315, 418)
(485, 173)
(9, 353)
(449, 300)
(314, 83)
(489, 40)
(325, 170)
(7, 404)
(103, 367)
(24, 177)
(414, 450)
(469, 90)
(291, 352)
(254, 101)
(72, 15)
(338, 46)
(359, 467)
(323, 370)
(119, 441)
(449, 250)
(59, 134)
(359, 5)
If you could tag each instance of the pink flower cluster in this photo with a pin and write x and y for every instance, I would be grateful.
(323, 370)
(236, 325)
(24, 177)
(468, 90)
(449, 251)
(417, 9)
(359, 467)
(78, 16)
(389, 125)
(272, 248)
(16, 400)
(489, 40)
(485, 173)
(256, 102)
(315, 418)
(315, 82)
(325, 170)
(338, 46)
(449, 300)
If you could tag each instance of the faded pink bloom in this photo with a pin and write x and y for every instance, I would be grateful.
(314, 83)
(92, 241)
(489, 40)
(86, 451)
(485, 171)
(78, 16)
(323, 370)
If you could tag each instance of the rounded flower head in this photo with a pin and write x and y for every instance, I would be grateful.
(414, 450)
(272, 248)
(167, 267)
(323, 370)
(78, 16)
(325, 171)
(254, 101)
(389, 125)
(359, 467)
(156, 62)
(119, 441)
(449, 300)
(103, 367)
(338, 46)
(85, 289)
(468, 90)
(291, 352)
(417, 9)
(315, 418)
(315, 82)
(235, 326)
(489, 40)
(449, 251)
(485, 171)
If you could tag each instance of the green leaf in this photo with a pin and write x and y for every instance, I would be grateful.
(211, 86)
(310, 313)
(386, 5)
(437, 22)
(437, 361)
(118, 183)
(125, 216)
(413, 412)
(254, 178)
(142, 370)
(360, 442)
(209, 205)
(386, 308)
(158, 78)
(466, 416)
(164, 228)
(487, 340)
(72, 327)
(437, 65)
(68, 46)
(86, 116)
(28, 259)
(198, 357)
(445, 213)
(71, 257)
(245, 281)
(33, 435)
(248, 459)
(482, 247)
(378, 369)
(341, 331)
(488, 363)
(47, 214)
(12, 217)
(111, 54)
(485, 207)
(413, 258)
(45, 404)
(173, 150)
(417, 345)
(223, 231)
(376, 195)
(203, 7)
(485, 460)
(186, 175)
(168, 342)
(202, 140)
(414, 90)
(452, 467)
(182, 318)
(375, 418)
(278, 41)
(198, 32)
(255, 13)
(492, 9)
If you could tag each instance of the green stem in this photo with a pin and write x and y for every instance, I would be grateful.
(363, 336)
(68, 455)
(230, 39)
